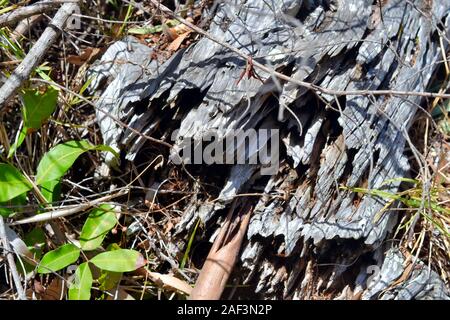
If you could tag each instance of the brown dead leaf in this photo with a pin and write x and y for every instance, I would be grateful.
(169, 281)
(54, 291)
(168, 227)
(166, 281)
(88, 55)
(181, 28)
(175, 44)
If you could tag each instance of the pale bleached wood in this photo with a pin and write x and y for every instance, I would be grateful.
(21, 13)
(10, 257)
(36, 53)
(305, 233)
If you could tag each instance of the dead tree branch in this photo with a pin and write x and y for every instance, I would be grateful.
(18, 14)
(11, 262)
(36, 54)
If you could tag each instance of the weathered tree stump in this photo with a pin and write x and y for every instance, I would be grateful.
(307, 238)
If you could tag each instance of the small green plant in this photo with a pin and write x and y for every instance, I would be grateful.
(37, 107)
(51, 168)
(115, 261)
(428, 206)
(38, 104)
(101, 220)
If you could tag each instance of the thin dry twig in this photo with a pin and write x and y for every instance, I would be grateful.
(36, 53)
(18, 14)
(282, 76)
(11, 262)
(69, 211)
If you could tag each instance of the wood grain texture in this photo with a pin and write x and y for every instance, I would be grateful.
(321, 232)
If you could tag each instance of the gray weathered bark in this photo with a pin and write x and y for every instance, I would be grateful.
(316, 238)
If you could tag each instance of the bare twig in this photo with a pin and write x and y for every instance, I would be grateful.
(69, 211)
(11, 262)
(282, 76)
(25, 25)
(35, 55)
(31, 10)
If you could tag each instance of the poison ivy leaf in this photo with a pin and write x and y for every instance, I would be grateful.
(38, 106)
(82, 283)
(58, 259)
(35, 240)
(51, 190)
(99, 222)
(122, 260)
(108, 280)
(59, 159)
(12, 183)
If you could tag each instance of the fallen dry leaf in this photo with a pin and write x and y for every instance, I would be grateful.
(88, 55)
(166, 281)
(54, 291)
(169, 281)
(175, 44)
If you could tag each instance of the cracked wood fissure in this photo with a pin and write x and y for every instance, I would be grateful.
(307, 241)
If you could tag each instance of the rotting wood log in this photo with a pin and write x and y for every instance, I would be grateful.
(314, 240)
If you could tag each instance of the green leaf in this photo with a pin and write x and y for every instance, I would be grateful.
(38, 106)
(35, 238)
(35, 241)
(51, 190)
(19, 140)
(82, 284)
(108, 280)
(123, 260)
(102, 147)
(58, 259)
(188, 249)
(59, 159)
(12, 183)
(153, 29)
(99, 222)
(12, 206)
(145, 30)
(86, 85)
